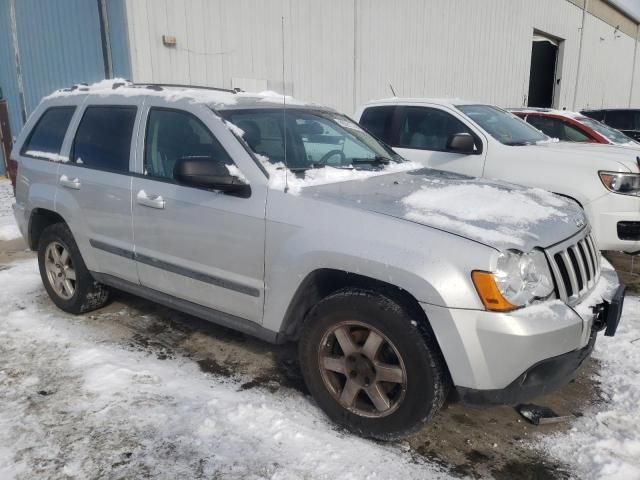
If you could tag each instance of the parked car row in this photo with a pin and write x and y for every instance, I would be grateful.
(485, 141)
(396, 259)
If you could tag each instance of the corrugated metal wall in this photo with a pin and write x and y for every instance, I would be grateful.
(59, 44)
(343, 53)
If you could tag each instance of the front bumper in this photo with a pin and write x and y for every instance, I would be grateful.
(611, 217)
(505, 358)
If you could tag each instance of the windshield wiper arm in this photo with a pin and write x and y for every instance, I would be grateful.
(378, 160)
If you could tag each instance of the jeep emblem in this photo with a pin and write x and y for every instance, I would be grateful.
(579, 221)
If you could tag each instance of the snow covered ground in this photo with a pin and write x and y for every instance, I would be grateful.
(8, 228)
(75, 402)
(605, 442)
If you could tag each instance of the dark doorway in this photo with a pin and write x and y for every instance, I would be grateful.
(542, 76)
(6, 141)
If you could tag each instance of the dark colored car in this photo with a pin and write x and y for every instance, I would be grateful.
(627, 120)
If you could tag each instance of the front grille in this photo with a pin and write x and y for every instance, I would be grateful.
(575, 265)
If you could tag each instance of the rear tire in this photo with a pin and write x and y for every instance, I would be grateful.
(369, 366)
(64, 273)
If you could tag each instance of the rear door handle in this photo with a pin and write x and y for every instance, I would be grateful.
(69, 183)
(152, 201)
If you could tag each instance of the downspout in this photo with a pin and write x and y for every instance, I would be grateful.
(16, 53)
(355, 54)
(104, 39)
(575, 88)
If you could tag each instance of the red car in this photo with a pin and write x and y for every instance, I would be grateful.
(572, 127)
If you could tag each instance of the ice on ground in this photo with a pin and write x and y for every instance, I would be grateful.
(8, 228)
(75, 403)
(605, 442)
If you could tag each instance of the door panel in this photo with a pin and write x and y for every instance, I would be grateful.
(203, 246)
(96, 184)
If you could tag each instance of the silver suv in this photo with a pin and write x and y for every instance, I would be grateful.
(289, 222)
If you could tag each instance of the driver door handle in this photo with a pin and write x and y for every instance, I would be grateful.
(152, 201)
(69, 183)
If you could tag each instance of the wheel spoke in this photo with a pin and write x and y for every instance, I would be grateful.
(378, 397)
(68, 286)
(389, 373)
(55, 254)
(335, 364)
(349, 393)
(372, 345)
(64, 256)
(70, 273)
(346, 342)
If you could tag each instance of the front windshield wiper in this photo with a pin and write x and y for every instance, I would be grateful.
(377, 160)
(519, 144)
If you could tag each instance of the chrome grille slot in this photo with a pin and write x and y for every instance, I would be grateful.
(575, 265)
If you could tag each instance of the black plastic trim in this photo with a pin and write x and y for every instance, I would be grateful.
(177, 269)
(200, 311)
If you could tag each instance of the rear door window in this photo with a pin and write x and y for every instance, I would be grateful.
(103, 139)
(378, 121)
(45, 140)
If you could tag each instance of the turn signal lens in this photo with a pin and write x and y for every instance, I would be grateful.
(489, 293)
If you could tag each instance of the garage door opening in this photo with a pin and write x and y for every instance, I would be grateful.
(542, 76)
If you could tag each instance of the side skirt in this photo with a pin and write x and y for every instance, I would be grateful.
(209, 314)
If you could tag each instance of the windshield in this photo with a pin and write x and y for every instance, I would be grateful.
(313, 139)
(611, 134)
(502, 125)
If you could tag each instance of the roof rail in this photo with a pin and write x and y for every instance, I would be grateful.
(157, 86)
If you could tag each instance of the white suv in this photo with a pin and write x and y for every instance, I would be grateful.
(486, 141)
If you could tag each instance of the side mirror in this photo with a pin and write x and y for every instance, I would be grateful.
(461, 143)
(205, 172)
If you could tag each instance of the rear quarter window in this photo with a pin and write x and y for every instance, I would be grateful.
(46, 137)
(103, 139)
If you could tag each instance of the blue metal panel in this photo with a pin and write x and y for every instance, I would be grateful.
(8, 75)
(119, 38)
(59, 45)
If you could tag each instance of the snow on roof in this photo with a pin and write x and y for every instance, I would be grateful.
(217, 98)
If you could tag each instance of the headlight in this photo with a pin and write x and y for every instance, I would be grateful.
(623, 183)
(518, 279)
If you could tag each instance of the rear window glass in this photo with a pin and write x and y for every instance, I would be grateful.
(45, 140)
(103, 139)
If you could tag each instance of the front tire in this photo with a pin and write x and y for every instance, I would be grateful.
(64, 273)
(369, 367)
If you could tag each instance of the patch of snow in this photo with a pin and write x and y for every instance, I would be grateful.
(454, 206)
(234, 128)
(235, 172)
(216, 98)
(605, 441)
(8, 228)
(104, 407)
(280, 176)
(55, 157)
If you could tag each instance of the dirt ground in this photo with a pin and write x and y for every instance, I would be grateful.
(474, 442)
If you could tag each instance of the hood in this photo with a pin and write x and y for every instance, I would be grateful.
(494, 213)
(603, 156)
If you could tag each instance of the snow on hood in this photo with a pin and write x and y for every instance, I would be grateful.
(491, 212)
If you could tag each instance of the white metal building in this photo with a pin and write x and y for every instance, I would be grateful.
(344, 52)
